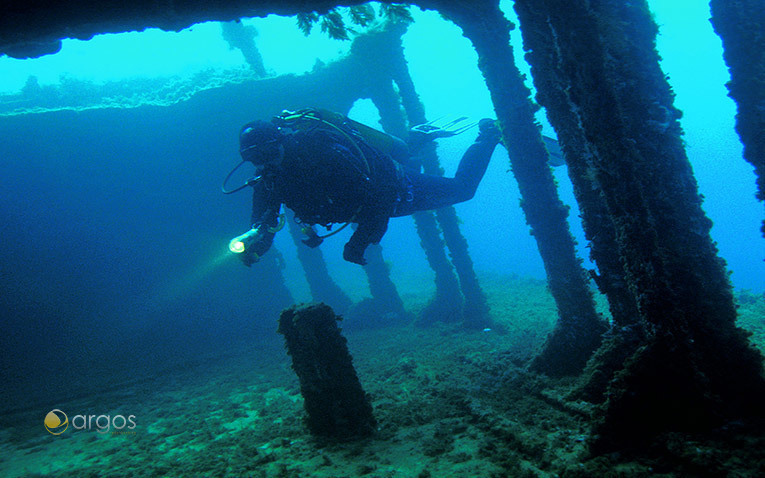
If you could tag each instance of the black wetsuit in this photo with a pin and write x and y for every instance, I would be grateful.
(325, 181)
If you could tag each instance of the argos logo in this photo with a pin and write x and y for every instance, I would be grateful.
(57, 422)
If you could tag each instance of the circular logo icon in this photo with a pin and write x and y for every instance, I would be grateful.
(56, 422)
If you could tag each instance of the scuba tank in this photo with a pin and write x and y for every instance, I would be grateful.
(346, 134)
(353, 131)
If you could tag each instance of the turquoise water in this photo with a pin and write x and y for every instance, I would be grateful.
(118, 296)
(450, 84)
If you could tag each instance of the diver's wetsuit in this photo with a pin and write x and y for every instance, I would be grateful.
(434, 192)
(324, 181)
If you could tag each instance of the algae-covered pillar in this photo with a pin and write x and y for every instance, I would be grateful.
(385, 296)
(694, 368)
(579, 329)
(334, 401)
(624, 337)
(323, 288)
(740, 25)
(242, 37)
(375, 50)
(542, 55)
(447, 303)
(476, 309)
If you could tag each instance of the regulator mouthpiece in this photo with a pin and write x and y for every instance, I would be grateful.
(240, 243)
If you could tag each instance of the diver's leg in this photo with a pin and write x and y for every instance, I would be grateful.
(433, 192)
(474, 162)
(426, 192)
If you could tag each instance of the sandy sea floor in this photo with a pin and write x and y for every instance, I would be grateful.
(447, 403)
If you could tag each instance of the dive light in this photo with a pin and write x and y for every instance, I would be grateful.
(240, 243)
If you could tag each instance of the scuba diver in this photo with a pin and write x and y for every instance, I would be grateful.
(329, 169)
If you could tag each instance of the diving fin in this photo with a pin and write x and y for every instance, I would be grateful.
(443, 127)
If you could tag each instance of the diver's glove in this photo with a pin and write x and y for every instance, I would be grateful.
(248, 258)
(355, 254)
(488, 131)
(255, 251)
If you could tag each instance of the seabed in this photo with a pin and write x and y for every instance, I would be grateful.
(448, 403)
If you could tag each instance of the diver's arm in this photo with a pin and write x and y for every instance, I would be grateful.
(265, 206)
(265, 219)
(370, 231)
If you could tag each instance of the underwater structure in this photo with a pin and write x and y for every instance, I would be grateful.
(323, 288)
(674, 359)
(334, 401)
(740, 24)
(624, 335)
(400, 109)
(579, 329)
(693, 366)
(242, 38)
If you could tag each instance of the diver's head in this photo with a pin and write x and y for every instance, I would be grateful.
(260, 143)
